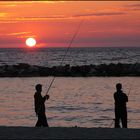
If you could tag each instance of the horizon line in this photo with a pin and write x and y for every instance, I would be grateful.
(66, 47)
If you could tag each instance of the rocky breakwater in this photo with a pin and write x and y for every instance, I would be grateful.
(26, 70)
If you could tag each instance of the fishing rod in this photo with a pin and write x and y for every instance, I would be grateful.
(129, 90)
(71, 41)
(70, 44)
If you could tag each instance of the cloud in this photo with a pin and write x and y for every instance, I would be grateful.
(2, 15)
(7, 5)
(134, 9)
(54, 17)
(5, 40)
(42, 18)
(14, 37)
(101, 14)
(133, 5)
(18, 33)
(18, 19)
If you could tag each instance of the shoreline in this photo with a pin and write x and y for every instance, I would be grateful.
(102, 70)
(18, 132)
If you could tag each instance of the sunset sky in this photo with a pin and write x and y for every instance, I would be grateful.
(52, 24)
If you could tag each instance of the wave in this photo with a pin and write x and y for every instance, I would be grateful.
(26, 70)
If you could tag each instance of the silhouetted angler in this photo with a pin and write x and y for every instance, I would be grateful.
(40, 106)
(120, 107)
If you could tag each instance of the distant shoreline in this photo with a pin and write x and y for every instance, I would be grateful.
(104, 70)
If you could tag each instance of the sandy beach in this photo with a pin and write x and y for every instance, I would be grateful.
(67, 133)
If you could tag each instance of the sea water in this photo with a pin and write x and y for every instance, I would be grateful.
(82, 102)
(76, 56)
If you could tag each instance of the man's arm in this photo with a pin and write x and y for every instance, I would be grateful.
(114, 97)
(45, 97)
(126, 98)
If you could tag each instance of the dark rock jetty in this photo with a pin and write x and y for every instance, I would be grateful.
(26, 70)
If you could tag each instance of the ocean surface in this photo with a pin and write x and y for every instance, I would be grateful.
(84, 102)
(76, 56)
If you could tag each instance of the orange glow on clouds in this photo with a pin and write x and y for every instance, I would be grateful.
(106, 23)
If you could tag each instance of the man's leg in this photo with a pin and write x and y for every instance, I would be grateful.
(44, 120)
(117, 119)
(38, 124)
(124, 120)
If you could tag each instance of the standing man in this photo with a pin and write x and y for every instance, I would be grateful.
(120, 107)
(40, 106)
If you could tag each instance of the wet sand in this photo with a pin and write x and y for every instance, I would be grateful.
(67, 133)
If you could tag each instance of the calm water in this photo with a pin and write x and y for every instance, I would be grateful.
(85, 102)
(76, 56)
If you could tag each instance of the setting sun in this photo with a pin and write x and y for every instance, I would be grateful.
(31, 42)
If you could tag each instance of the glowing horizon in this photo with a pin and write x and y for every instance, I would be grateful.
(53, 23)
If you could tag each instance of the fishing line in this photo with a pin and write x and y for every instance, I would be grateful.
(70, 44)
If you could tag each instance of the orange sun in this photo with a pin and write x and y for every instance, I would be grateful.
(30, 42)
